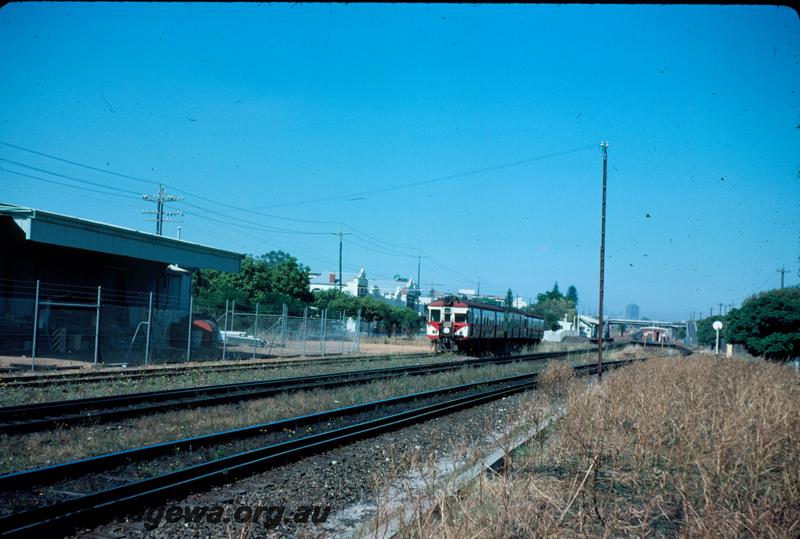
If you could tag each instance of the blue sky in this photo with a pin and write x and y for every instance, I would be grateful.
(298, 117)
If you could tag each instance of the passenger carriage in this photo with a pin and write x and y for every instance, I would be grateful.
(470, 327)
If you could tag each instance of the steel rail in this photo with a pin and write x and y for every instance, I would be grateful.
(49, 474)
(137, 373)
(47, 415)
(93, 508)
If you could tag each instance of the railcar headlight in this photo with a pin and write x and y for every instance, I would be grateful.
(446, 331)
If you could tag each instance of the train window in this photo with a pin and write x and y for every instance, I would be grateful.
(461, 317)
(436, 315)
(447, 315)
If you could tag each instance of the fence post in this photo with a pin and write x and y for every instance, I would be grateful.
(357, 334)
(305, 329)
(224, 337)
(255, 330)
(189, 337)
(97, 328)
(233, 318)
(323, 327)
(147, 339)
(35, 326)
(341, 341)
(284, 323)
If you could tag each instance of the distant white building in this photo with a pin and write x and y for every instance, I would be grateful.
(354, 285)
(519, 303)
(566, 328)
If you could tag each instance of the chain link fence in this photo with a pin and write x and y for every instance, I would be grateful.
(48, 325)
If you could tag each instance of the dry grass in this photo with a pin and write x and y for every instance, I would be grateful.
(672, 447)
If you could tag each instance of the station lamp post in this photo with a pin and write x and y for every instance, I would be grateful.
(717, 325)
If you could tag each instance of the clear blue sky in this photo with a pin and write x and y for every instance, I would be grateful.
(313, 112)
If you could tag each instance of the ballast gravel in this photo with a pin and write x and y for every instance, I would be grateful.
(320, 487)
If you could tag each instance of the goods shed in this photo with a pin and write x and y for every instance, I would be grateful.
(71, 258)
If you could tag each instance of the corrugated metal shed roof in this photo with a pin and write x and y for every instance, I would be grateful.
(65, 231)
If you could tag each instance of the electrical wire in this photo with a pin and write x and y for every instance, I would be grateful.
(56, 182)
(68, 177)
(448, 177)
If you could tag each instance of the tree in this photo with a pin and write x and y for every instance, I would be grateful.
(555, 293)
(767, 324)
(394, 319)
(289, 277)
(572, 294)
(273, 278)
(554, 306)
(509, 298)
(553, 310)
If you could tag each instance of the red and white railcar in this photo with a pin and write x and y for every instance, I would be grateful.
(470, 327)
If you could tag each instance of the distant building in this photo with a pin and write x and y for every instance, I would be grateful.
(354, 285)
(632, 312)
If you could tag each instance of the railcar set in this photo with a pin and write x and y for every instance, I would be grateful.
(470, 327)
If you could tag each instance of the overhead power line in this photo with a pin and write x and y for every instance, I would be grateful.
(65, 184)
(155, 182)
(455, 176)
(42, 154)
(72, 178)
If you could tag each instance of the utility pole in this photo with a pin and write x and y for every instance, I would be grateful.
(604, 149)
(710, 312)
(341, 235)
(720, 308)
(419, 266)
(160, 199)
(782, 271)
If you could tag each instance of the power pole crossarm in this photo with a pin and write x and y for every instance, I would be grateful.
(160, 199)
(782, 271)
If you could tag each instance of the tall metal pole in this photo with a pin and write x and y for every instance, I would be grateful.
(782, 271)
(284, 326)
(323, 324)
(604, 149)
(225, 336)
(35, 326)
(419, 265)
(305, 329)
(255, 330)
(341, 341)
(189, 338)
(357, 339)
(97, 329)
(147, 338)
(340, 258)
(233, 316)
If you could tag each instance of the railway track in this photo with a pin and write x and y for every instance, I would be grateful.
(49, 415)
(138, 373)
(95, 507)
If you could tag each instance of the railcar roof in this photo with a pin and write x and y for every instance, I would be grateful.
(452, 301)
